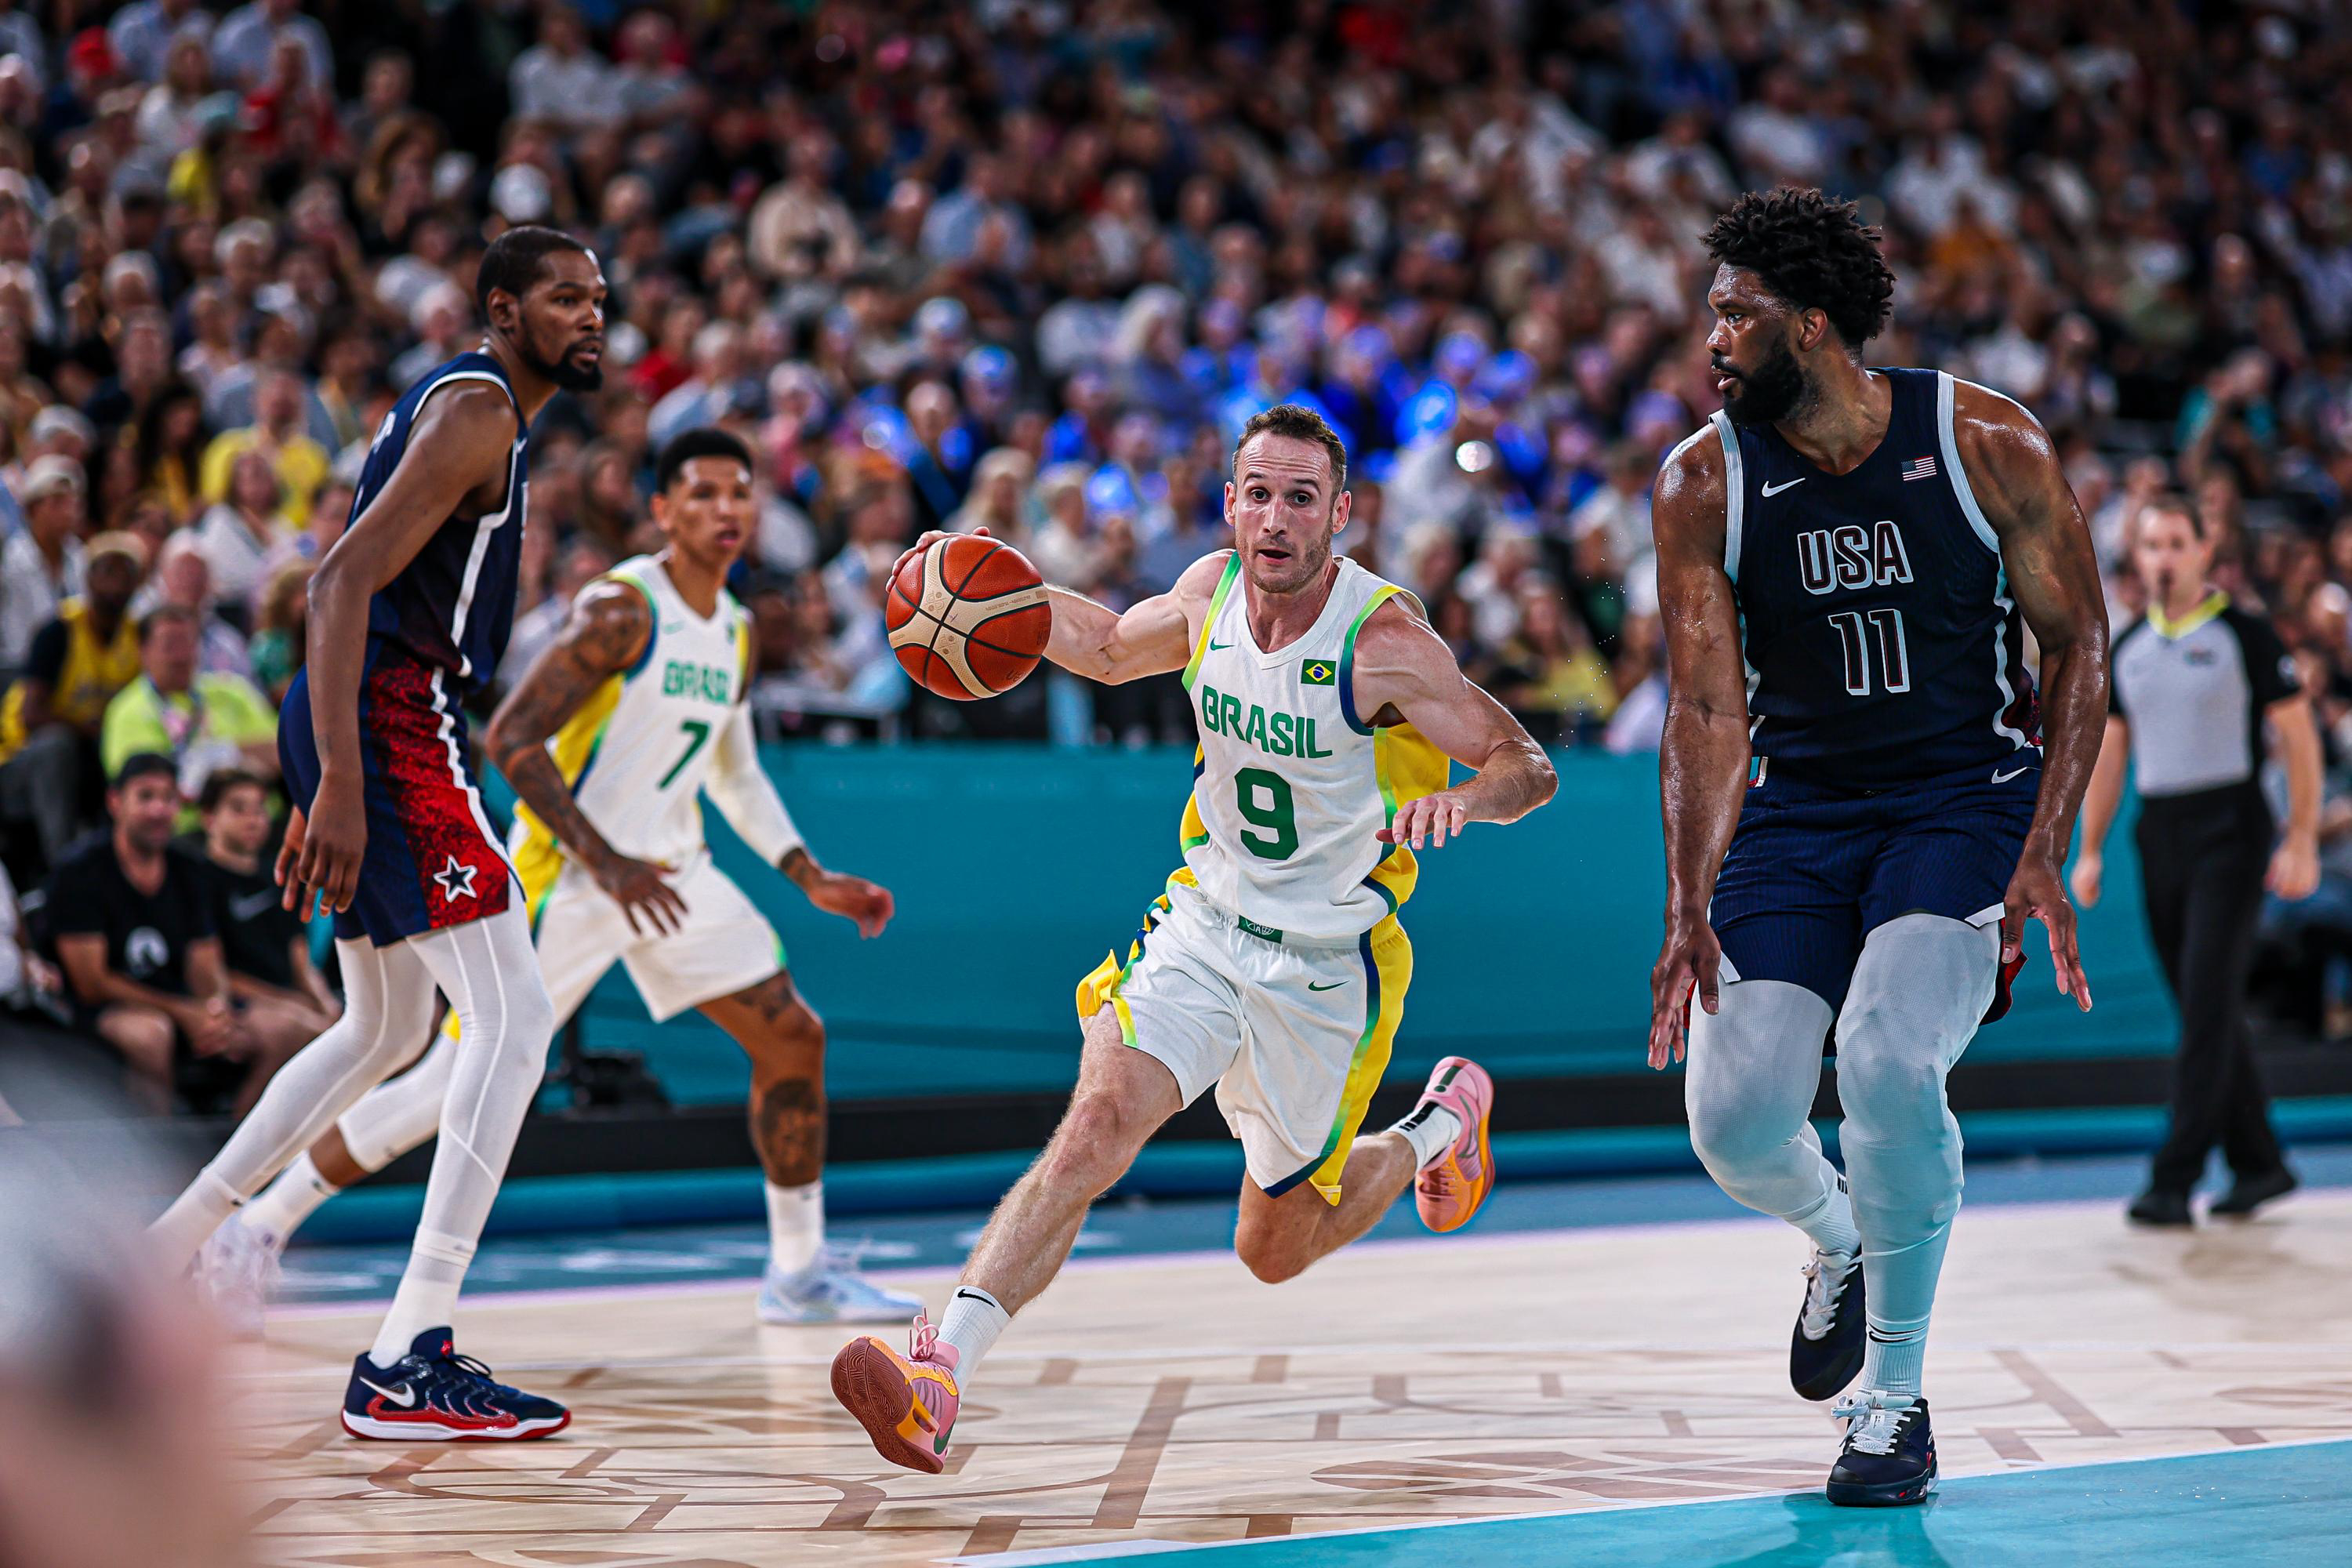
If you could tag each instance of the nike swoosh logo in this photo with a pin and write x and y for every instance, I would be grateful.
(1333, 986)
(405, 1398)
(2004, 778)
(1215, 644)
(1783, 485)
(246, 909)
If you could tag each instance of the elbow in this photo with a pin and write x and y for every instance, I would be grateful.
(1546, 777)
(1542, 779)
(329, 588)
(502, 745)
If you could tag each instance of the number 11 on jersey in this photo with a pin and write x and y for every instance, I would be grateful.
(1894, 657)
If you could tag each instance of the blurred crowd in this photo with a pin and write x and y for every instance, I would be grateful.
(1030, 264)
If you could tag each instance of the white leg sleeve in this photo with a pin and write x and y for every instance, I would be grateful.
(489, 972)
(388, 1006)
(572, 951)
(1921, 984)
(399, 1113)
(1754, 1066)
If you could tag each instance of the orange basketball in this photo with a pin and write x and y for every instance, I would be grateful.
(968, 618)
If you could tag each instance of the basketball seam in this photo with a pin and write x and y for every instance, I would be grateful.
(939, 626)
(931, 644)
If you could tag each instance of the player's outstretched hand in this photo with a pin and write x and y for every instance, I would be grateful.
(638, 887)
(925, 543)
(1690, 959)
(334, 843)
(1435, 817)
(2037, 892)
(869, 904)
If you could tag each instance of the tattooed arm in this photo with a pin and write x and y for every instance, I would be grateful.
(602, 636)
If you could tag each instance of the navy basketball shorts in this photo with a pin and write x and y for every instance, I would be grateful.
(433, 859)
(1813, 869)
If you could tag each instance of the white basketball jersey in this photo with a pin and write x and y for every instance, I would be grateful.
(637, 752)
(1291, 783)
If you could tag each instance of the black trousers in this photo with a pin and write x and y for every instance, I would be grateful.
(2202, 857)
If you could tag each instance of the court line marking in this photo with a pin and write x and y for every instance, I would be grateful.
(1043, 1557)
(1132, 1261)
(1253, 1353)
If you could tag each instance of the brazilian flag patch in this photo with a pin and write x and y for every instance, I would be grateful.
(1318, 672)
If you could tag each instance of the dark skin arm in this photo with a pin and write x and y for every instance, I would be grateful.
(1703, 759)
(602, 636)
(456, 463)
(2045, 544)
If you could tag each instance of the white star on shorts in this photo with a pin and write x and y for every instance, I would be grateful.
(457, 880)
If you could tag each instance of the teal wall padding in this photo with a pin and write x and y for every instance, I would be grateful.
(533, 1204)
(1016, 868)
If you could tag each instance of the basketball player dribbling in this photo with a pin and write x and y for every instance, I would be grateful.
(409, 612)
(1273, 966)
(1861, 811)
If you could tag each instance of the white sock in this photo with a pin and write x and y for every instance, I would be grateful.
(1830, 1226)
(428, 1297)
(973, 1319)
(193, 1217)
(293, 1197)
(795, 1225)
(1430, 1130)
(1894, 1358)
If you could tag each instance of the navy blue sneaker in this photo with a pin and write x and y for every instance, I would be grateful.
(434, 1395)
(1825, 1347)
(1889, 1456)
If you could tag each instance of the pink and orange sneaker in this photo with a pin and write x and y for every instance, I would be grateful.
(906, 1403)
(1449, 1189)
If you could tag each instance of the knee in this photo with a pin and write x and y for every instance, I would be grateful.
(1095, 1143)
(1731, 1134)
(790, 1045)
(144, 1036)
(1890, 1092)
(518, 1032)
(1268, 1253)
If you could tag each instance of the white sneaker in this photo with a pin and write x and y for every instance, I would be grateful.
(830, 1290)
(238, 1271)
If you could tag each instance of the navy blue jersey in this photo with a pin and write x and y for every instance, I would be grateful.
(1882, 646)
(451, 607)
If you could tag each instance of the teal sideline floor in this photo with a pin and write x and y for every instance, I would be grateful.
(625, 1255)
(2283, 1507)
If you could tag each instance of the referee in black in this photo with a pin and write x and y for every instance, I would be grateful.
(2195, 681)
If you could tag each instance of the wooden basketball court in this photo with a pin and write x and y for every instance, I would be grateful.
(1176, 1399)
